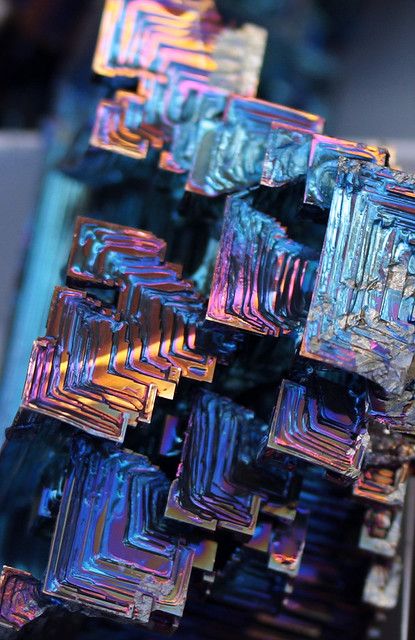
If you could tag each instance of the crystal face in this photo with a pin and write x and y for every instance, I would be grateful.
(206, 493)
(109, 550)
(174, 31)
(295, 154)
(287, 155)
(86, 390)
(101, 368)
(306, 426)
(21, 600)
(231, 153)
(361, 315)
(187, 65)
(322, 167)
(263, 280)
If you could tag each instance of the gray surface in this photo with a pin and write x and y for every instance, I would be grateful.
(20, 170)
(375, 89)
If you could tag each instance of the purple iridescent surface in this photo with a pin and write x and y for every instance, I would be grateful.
(263, 280)
(110, 550)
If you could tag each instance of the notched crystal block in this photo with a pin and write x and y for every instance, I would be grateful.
(120, 126)
(383, 485)
(159, 306)
(382, 584)
(323, 164)
(112, 551)
(21, 599)
(394, 412)
(190, 105)
(362, 312)
(160, 34)
(101, 368)
(263, 280)
(381, 531)
(208, 491)
(287, 545)
(74, 377)
(167, 114)
(230, 154)
(152, 35)
(323, 425)
(295, 154)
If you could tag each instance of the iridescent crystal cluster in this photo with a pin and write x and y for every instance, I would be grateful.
(145, 442)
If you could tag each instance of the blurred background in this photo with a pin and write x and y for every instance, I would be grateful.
(353, 61)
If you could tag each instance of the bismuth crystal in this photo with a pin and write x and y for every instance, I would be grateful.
(21, 600)
(381, 531)
(101, 368)
(296, 154)
(120, 125)
(287, 545)
(73, 375)
(151, 35)
(195, 106)
(231, 153)
(393, 412)
(158, 34)
(320, 425)
(206, 493)
(270, 504)
(263, 280)
(383, 485)
(287, 155)
(323, 161)
(110, 550)
(361, 315)
(186, 65)
(382, 585)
